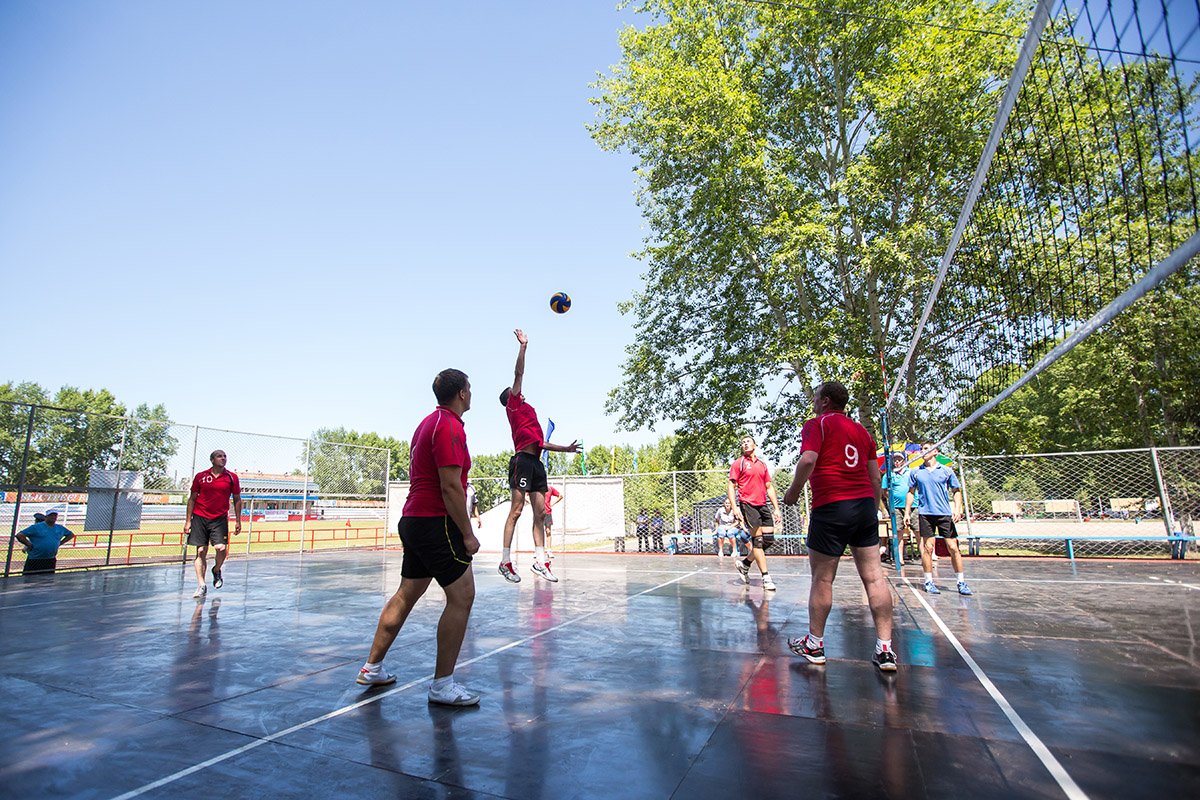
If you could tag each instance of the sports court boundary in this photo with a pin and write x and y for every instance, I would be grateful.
(1056, 770)
(273, 737)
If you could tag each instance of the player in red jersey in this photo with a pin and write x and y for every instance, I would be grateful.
(438, 542)
(750, 486)
(526, 475)
(837, 456)
(207, 518)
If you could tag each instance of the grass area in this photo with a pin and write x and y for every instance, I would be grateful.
(164, 540)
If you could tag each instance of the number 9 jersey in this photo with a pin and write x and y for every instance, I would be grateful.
(844, 452)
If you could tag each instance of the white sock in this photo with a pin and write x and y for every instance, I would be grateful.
(369, 667)
(962, 578)
(539, 554)
(442, 683)
(883, 645)
(929, 577)
(814, 640)
(506, 555)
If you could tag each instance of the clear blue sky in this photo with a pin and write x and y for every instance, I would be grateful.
(279, 216)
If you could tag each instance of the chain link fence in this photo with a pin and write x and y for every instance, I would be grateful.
(661, 512)
(121, 485)
(1121, 503)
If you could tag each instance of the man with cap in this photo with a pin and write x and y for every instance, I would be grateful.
(42, 540)
(895, 494)
(207, 520)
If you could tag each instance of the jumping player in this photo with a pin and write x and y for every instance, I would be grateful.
(838, 456)
(207, 519)
(750, 485)
(526, 475)
(438, 542)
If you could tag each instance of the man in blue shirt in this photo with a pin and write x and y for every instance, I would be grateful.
(43, 540)
(895, 486)
(938, 514)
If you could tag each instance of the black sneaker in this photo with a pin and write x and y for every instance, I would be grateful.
(815, 655)
(217, 582)
(886, 661)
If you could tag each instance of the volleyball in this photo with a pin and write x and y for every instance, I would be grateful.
(560, 302)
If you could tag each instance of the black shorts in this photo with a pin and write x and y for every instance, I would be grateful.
(548, 520)
(433, 548)
(207, 531)
(843, 522)
(525, 472)
(36, 565)
(937, 525)
(756, 517)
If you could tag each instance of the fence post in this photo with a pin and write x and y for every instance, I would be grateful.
(562, 528)
(387, 494)
(1164, 503)
(191, 476)
(20, 490)
(304, 500)
(250, 527)
(962, 480)
(675, 501)
(112, 517)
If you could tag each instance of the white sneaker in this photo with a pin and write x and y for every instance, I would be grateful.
(510, 574)
(743, 570)
(380, 678)
(453, 694)
(768, 584)
(549, 554)
(199, 593)
(544, 571)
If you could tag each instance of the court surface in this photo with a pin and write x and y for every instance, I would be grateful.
(636, 676)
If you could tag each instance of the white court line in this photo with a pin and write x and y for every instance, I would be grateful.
(1065, 781)
(1153, 581)
(183, 773)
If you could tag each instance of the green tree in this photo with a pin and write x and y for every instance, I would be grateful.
(149, 445)
(14, 425)
(346, 462)
(1129, 385)
(799, 170)
(76, 430)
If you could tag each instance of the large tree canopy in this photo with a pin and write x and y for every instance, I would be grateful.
(799, 170)
(75, 430)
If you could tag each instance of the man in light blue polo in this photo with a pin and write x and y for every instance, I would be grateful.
(43, 538)
(937, 514)
(895, 485)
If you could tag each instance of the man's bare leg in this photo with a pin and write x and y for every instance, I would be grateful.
(955, 555)
(927, 543)
(516, 506)
(200, 563)
(879, 593)
(820, 593)
(452, 627)
(538, 501)
(394, 613)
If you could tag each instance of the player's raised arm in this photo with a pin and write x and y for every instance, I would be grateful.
(519, 370)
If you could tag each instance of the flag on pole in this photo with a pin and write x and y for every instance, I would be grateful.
(546, 453)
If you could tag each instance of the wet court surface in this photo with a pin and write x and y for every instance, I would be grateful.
(636, 676)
